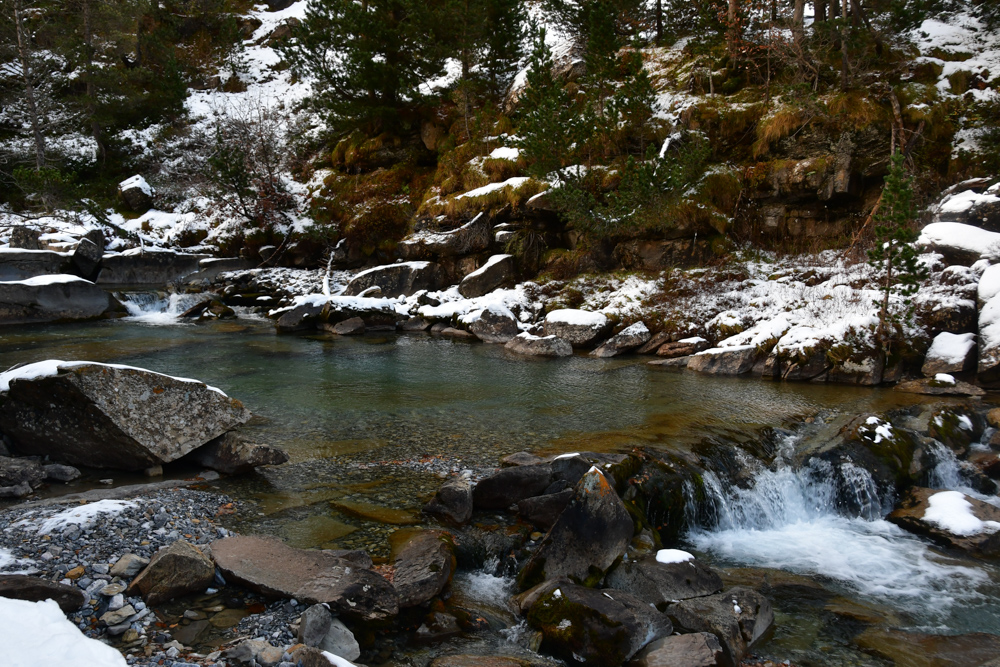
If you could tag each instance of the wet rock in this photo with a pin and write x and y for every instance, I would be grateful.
(173, 571)
(268, 566)
(589, 536)
(128, 566)
(423, 567)
(662, 583)
(246, 651)
(232, 454)
(595, 627)
(917, 649)
(453, 501)
(19, 472)
(739, 618)
(55, 298)
(725, 360)
(34, 589)
(401, 279)
(951, 519)
(437, 627)
(699, 649)
(353, 326)
(61, 473)
(299, 318)
(496, 324)
(539, 346)
(682, 348)
(654, 343)
(579, 328)
(937, 387)
(110, 417)
(497, 270)
(457, 333)
(416, 324)
(528, 459)
(136, 193)
(627, 339)
(543, 511)
(321, 629)
(509, 485)
(18, 264)
(950, 353)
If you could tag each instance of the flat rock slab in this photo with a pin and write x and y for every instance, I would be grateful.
(53, 299)
(914, 513)
(268, 566)
(106, 416)
(539, 346)
(725, 360)
(931, 387)
(699, 649)
(20, 264)
(423, 567)
(33, 589)
(580, 328)
(739, 618)
(661, 583)
(378, 513)
(231, 453)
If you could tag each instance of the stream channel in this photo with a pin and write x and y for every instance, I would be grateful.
(373, 423)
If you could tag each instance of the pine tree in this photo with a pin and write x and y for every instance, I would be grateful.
(369, 59)
(547, 124)
(504, 29)
(632, 104)
(894, 252)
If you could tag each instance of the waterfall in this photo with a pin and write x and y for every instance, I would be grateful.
(157, 307)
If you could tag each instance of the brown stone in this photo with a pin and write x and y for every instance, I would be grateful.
(34, 589)
(910, 649)
(173, 571)
(909, 515)
(423, 567)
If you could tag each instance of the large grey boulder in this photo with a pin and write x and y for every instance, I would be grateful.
(21, 264)
(595, 627)
(950, 353)
(495, 324)
(580, 328)
(453, 501)
(423, 567)
(147, 267)
(17, 472)
(136, 193)
(587, 538)
(497, 270)
(319, 628)
(627, 339)
(698, 649)
(173, 571)
(539, 346)
(401, 279)
(509, 485)
(87, 256)
(232, 454)
(54, 298)
(739, 618)
(735, 360)
(543, 511)
(272, 568)
(472, 237)
(24, 238)
(660, 583)
(106, 416)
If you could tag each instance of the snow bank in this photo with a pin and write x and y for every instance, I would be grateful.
(989, 284)
(38, 633)
(951, 348)
(576, 317)
(670, 556)
(51, 367)
(83, 515)
(950, 511)
(963, 201)
(958, 236)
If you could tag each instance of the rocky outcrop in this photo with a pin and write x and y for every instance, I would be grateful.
(950, 353)
(147, 267)
(34, 589)
(495, 324)
(959, 243)
(394, 280)
(136, 193)
(539, 346)
(21, 264)
(176, 570)
(951, 519)
(18, 477)
(588, 537)
(509, 485)
(682, 348)
(106, 416)
(86, 259)
(453, 501)
(268, 566)
(57, 298)
(472, 237)
(232, 454)
(497, 270)
(735, 360)
(660, 583)
(423, 567)
(595, 627)
(629, 338)
(579, 328)
(739, 618)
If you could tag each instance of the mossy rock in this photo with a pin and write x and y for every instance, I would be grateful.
(956, 427)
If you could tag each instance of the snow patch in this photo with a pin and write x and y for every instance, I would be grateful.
(950, 511)
(671, 556)
(38, 633)
(83, 516)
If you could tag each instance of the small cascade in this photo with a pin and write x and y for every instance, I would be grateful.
(156, 307)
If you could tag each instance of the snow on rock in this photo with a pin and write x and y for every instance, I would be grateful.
(670, 556)
(958, 242)
(514, 183)
(38, 633)
(944, 378)
(51, 367)
(83, 516)
(453, 304)
(336, 660)
(505, 153)
(54, 279)
(138, 182)
(989, 284)
(950, 353)
(951, 511)
(989, 341)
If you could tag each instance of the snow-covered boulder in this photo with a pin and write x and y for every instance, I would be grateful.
(959, 243)
(17, 264)
(989, 342)
(950, 353)
(53, 298)
(952, 519)
(580, 328)
(402, 279)
(494, 324)
(110, 416)
(148, 266)
(627, 339)
(136, 193)
(474, 236)
(497, 270)
(968, 204)
(539, 346)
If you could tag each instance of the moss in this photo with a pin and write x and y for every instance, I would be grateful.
(589, 637)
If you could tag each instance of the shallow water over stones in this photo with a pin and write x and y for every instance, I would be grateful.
(374, 423)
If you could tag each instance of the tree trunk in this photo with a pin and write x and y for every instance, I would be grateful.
(798, 24)
(845, 74)
(91, 92)
(27, 78)
(659, 22)
(732, 29)
(834, 10)
(819, 11)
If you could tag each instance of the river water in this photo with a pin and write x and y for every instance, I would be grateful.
(373, 421)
